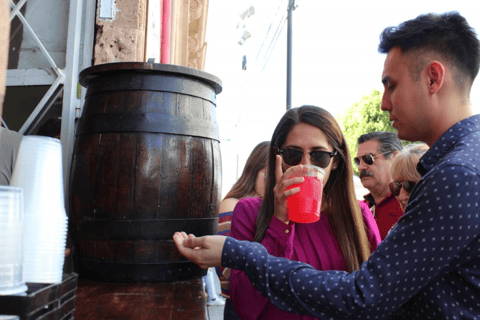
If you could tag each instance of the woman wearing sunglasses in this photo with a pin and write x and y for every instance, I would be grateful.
(346, 233)
(404, 172)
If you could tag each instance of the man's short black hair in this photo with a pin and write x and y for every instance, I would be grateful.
(447, 35)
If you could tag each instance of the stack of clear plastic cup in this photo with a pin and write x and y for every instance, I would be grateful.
(38, 170)
(11, 238)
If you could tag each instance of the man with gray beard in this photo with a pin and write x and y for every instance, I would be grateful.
(375, 153)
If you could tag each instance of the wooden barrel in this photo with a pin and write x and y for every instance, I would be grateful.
(146, 163)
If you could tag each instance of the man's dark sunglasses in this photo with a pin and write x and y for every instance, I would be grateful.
(292, 157)
(396, 186)
(368, 158)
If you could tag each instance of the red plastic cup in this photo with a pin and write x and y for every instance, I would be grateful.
(304, 206)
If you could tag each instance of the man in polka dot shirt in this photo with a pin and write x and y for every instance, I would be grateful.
(428, 267)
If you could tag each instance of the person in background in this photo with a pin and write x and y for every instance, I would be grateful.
(4, 46)
(428, 267)
(375, 154)
(9, 145)
(9, 140)
(404, 172)
(344, 236)
(51, 128)
(250, 184)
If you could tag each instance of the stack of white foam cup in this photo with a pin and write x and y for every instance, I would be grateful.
(38, 170)
(11, 225)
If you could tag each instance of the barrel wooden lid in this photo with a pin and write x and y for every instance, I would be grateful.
(92, 72)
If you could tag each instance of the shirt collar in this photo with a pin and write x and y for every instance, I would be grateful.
(371, 201)
(446, 142)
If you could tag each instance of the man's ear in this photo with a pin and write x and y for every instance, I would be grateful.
(394, 154)
(436, 75)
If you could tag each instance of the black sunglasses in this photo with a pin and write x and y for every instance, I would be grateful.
(396, 186)
(292, 157)
(368, 158)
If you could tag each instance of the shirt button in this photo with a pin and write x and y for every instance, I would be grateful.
(287, 231)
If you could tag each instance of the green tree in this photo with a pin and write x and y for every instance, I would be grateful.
(363, 117)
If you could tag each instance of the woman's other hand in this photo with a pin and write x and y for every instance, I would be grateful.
(283, 182)
(204, 251)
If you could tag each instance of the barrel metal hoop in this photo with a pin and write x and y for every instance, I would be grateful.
(159, 229)
(139, 272)
(135, 81)
(148, 122)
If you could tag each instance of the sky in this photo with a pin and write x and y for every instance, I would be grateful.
(335, 61)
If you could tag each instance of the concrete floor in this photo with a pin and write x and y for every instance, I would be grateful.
(215, 313)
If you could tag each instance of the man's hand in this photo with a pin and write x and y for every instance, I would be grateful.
(204, 251)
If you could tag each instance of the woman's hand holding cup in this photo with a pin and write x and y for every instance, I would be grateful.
(284, 181)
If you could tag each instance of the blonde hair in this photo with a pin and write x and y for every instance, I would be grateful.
(405, 163)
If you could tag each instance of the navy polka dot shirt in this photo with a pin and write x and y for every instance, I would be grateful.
(428, 267)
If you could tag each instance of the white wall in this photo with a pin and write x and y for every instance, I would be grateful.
(49, 20)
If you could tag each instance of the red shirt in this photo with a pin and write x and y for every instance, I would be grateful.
(386, 213)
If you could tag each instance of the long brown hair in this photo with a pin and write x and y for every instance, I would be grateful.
(246, 183)
(343, 210)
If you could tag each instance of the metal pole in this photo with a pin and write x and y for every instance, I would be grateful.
(291, 4)
(70, 100)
